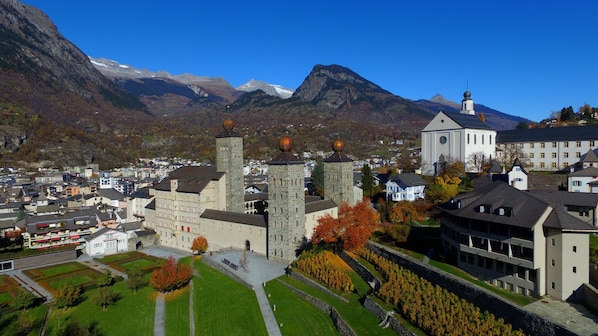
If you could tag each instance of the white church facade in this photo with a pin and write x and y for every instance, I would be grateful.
(451, 137)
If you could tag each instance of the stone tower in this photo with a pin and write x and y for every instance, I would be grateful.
(286, 203)
(229, 160)
(338, 176)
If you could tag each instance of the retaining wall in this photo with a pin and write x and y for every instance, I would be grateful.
(45, 259)
(382, 315)
(531, 324)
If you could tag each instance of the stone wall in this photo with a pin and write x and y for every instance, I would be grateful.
(363, 272)
(343, 328)
(316, 285)
(590, 295)
(45, 259)
(382, 315)
(594, 274)
(520, 319)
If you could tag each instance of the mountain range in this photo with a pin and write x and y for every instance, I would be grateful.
(61, 107)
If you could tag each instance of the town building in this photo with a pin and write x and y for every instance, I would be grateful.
(549, 149)
(517, 241)
(405, 187)
(451, 137)
(203, 200)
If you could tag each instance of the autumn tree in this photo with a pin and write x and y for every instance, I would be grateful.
(105, 279)
(23, 301)
(170, 276)
(104, 296)
(135, 280)
(354, 225)
(67, 295)
(402, 213)
(200, 244)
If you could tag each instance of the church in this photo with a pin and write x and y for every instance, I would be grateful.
(210, 201)
(451, 137)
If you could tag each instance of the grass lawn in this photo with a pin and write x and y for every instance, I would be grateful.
(222, 306)
(80, 278)
(518, 299)
(297, 316)
(360, 319)
(177, 312)
(139, 264)
(50, 271)
(38, 314)
(132, 314)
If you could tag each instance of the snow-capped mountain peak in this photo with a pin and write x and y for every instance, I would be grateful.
(271, 89)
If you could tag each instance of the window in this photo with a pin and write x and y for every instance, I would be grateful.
(574, 269)
(468, 138)
(553, 165)
(554, 144)
(565, 164)
(577, 154)
(566, 144)
(577, 143)
(574, 248)
(592, 143)
(553, 242)
(490, 139)
(542, 155)
(553, 154)
(553, 262)
(542, 165)
(542, 145)
(576, 183)
(531, 155)
(531, 165)
(566, 154)
(553, 285)
(531, 145)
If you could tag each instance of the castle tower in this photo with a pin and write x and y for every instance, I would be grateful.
(229, 160)
(338, 176)
(286, 203)
(467, 104)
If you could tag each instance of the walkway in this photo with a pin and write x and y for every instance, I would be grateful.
(159, 316)
(259, 271)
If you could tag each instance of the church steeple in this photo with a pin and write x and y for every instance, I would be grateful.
(467, 104)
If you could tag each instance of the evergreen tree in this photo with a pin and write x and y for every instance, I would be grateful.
(367, 180)
(317, 177)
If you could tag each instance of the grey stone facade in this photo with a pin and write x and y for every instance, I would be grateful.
(338, 180)
(286, 209)
(229, 160)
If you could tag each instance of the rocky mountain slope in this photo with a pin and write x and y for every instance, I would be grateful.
(59, 108)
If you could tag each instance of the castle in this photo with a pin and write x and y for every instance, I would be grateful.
(210, 201)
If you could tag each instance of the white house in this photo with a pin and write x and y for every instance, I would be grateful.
(457, 137)
(405, 187)
(106, 241)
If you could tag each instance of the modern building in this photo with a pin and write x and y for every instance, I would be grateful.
(451, 137)
(516, 241)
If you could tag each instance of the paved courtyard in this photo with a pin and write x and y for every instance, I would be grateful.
(574, 317)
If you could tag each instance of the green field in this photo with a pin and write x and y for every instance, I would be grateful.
(296, 316)
(177, 313)
(224, 307)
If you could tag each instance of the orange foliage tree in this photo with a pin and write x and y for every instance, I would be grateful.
(402, 213)
(354, 225)
(200, 244)
(171, 276)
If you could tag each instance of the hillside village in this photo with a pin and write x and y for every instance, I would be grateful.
(492, 232)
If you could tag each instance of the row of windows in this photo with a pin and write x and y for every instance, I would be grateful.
(554, 155)
(553, 165)
(475, 139)
(554, 144)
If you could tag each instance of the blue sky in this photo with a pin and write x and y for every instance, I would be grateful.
(526, 58)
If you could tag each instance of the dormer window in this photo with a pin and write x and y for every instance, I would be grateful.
(487, 208)
(505, 211)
